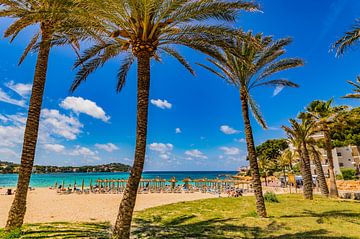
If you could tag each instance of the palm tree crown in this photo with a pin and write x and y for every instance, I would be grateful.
(350, 38)
(250, 62)
(59, 21)
(132, 27)
(356, 94)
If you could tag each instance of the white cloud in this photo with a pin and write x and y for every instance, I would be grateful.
(241, 140)
(196, 154)
(109, 147)
(162, 104)
(277, 90)
(164, 156)
(11, 135)
(178, 131)
(230, 150)
(82, 151)
(161, 148)
(81, 105)
(54, 123)
(226, 129)
(4, 97)
(8, 152)
(57, 148)
(21, 89)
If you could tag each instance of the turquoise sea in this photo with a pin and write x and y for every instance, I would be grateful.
(47, 180)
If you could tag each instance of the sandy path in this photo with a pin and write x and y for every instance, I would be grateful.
(46, 205)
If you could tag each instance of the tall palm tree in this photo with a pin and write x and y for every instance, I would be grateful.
(143, 30)
(324, 115)
(349, 39)
(356, 94)
(319, 169)
(299, 135)
(248, 63)
(54, 20)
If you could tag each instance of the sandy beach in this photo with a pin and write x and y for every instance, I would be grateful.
(45, 205)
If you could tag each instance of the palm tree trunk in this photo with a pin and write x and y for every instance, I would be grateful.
(123, 221)
(260, 203)
(328, 146)
(320, 173)
(18, 207)
(307, 178)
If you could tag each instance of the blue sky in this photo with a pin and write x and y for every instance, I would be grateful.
(95, 125)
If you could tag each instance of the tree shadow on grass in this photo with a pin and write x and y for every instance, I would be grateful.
(66, 230)
(180, 228)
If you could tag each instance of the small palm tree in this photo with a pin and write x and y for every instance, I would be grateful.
(54, 19)
(285, 161)
(356, 94)
(319, 169)
(143, 30)
(324, 115)
(350, 38)
(248, 62)
(299, 135)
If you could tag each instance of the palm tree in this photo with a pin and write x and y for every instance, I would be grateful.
(351, 37)
(324, 115)
(285, 161)
(299, 135)
(356, 94)
(319, 169)
(143, 30)
(54, 19)
(246, 64)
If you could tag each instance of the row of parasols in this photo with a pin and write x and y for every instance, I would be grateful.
(160, 183)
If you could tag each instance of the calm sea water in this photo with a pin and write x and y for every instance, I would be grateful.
(46, 180)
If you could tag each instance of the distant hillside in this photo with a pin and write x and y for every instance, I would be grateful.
(8, 167)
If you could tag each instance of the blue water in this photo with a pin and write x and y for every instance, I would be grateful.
(46, 180)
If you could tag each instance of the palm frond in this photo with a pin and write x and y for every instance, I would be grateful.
(30, 46)
(351, 37)
(172, 52)
(255, 109)
(123, 71)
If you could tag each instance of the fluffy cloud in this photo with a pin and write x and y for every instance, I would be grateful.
(57, 148)
(230, 150)
(23, 90)
(82, 151)
(164, 150)
(4, 97)
(226, 129)
(161, 148)
(8, 152)
(11, 135)
(178, 130)
(109, 147)
(162, 104)
(241, 140)
(80, 105)
(55, 123)
(196, 154)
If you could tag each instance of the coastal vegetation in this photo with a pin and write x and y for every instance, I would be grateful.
(10, 168)
(291, 217)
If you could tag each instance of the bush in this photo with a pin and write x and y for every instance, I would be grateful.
(271, 197)
(339, 177)
(10, 235)
(348, 173)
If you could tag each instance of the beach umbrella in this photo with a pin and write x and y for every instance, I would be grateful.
(173, 182)
(82, 186)
(186, 182)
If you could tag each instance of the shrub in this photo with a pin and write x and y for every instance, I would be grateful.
(348, 173)
(271, 197)
(339, 177)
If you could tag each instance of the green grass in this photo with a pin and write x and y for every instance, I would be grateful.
(292, 217)
(223, 218)
(60, 230)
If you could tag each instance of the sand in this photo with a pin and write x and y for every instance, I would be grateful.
(45, 205)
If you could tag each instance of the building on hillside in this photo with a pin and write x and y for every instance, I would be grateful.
(344, 157)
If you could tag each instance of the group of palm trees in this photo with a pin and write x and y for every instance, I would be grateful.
(318, 119)
(143, 30)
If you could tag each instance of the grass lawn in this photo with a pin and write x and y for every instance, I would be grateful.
(224, 218)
